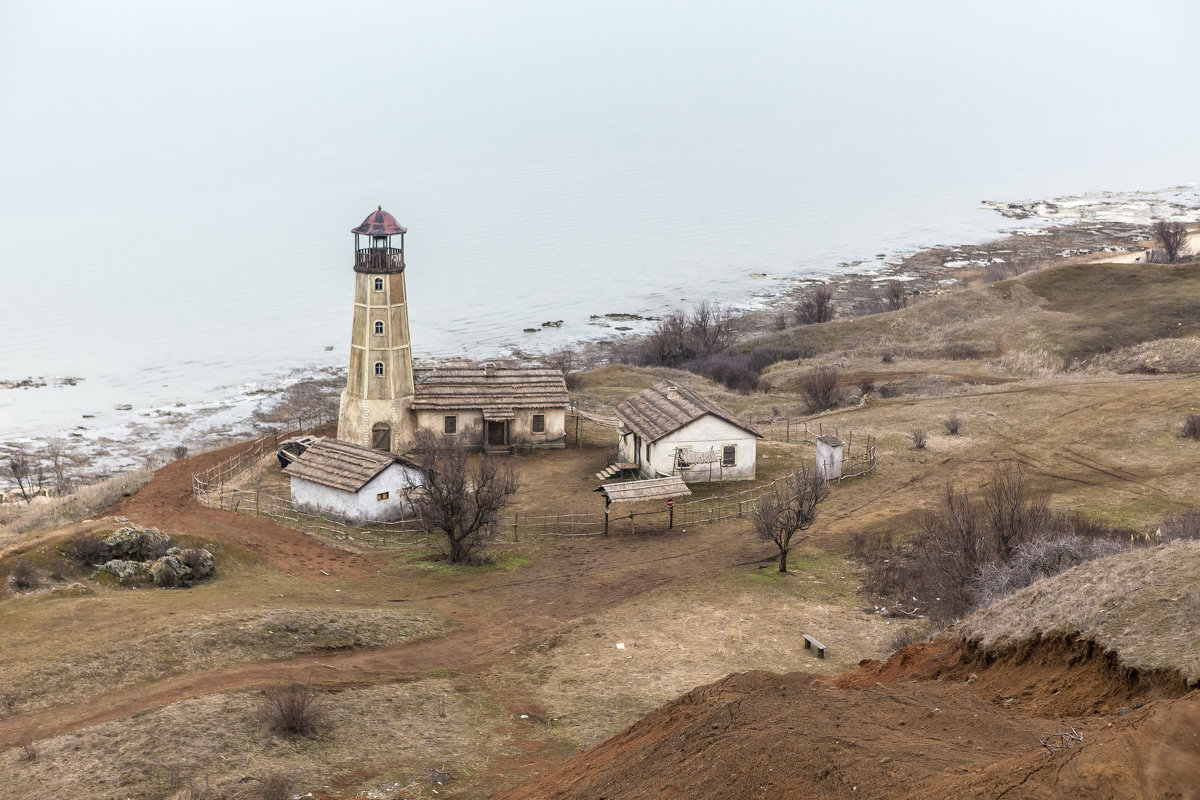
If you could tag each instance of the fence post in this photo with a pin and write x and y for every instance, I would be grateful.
(787, 431)
(516, 533)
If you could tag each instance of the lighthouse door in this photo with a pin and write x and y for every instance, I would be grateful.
(381, 436)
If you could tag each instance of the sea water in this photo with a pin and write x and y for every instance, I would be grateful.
(177, 184)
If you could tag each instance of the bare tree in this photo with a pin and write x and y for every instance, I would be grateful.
(710, 329)
(1173, 237)
(820, 389)
(815, 305)
(563, 360)
(668, 344)
(788, 509)
(20, 469)
(60, 460)
(462, 502)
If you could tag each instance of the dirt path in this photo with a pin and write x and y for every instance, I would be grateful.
(568, 580)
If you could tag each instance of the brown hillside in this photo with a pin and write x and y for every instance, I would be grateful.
(948, 719)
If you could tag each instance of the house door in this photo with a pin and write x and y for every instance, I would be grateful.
(381, 436)
(496, 432)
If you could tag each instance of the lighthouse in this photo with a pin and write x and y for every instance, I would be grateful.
(375, 405)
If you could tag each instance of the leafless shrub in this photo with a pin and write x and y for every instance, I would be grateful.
(815, 306)
(919, 438)
(820, 390)
(911, 634)
(790, 508)
(963, 351)
(24, 575)
(292, 708)
(710, 329)
(89, 549)
(997, 271)
(735, 372)
(888, 357)
(1035, 559)
(894, 296)
(952, 423)
(29, 751)
(1180, 525)
(1191, 427)
(205, 791)
(277, 786)
(680, 337)
(1172, 238)
(462, 502)
(179, 451)
(564, 360)
(889, 390)
(866, 385)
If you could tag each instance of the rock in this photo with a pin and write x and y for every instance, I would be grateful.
(137, 544)
(533, 330)
(553, 324)
(199, 560)
(127, 573)
(170, 571)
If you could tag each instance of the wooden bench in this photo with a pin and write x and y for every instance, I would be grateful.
(810, 642)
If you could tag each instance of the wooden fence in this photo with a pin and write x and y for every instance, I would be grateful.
(213, 488)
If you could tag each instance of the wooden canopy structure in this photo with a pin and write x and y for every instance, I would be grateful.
(651, 489)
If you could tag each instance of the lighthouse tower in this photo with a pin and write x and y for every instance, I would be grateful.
(374, 410)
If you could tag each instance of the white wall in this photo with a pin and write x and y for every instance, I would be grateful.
(703, 434)
(361, 505)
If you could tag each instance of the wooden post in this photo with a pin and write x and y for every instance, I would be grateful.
(607, 510)
(577, 444)
(516, 533)
(787, 431)
(257, 490)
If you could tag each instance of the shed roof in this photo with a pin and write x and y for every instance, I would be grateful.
(652, 489)
(379, 223)
(666, 407)
(342, 465)
(496, 390)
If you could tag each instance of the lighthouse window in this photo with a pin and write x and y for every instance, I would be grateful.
(378, 328)
(379, 284)
(378, 367)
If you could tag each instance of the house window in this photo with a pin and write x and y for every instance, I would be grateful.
(729, 455)
(539, 423)
(378, 367)
(379, 284)
(647, 452)
(451, 426)
(379, 328)
(381, 496)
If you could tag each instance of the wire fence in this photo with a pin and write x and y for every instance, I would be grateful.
(217, 487)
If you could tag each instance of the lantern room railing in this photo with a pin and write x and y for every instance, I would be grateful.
(379, 259)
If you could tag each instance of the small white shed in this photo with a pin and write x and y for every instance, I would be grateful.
(673, 430)
(359, 484)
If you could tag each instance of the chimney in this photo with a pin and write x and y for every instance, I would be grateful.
(489, 369)
(672, 393)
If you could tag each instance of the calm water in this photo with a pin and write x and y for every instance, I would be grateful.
(178, 184)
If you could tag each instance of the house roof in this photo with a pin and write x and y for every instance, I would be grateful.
(665, 408)
(379, 223)
(341, 465)
(652, 489)
(496, 390)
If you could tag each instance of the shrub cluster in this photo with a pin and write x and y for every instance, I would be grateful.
(741, 372)
(291, 708)
(815, 306)
(1191, 427)
(972, 550)
(679, 337)
(821, 388)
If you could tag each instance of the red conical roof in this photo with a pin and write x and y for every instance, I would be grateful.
(379, 223)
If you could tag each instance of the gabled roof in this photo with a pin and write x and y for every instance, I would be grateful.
(665, 408)
(341, 465)
(496, 390)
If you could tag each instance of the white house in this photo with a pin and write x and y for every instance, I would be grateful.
(673, 430)
(341, 479)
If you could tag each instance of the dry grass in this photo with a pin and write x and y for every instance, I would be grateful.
(84, 502)
(157, 650)
(589, 689)
(1139, 604)
(390, 733)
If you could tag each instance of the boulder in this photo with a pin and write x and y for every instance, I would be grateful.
(127, 573)
(137, 544)
(170, 571)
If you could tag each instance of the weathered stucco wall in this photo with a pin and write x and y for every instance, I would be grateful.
(703, 434)
(471, 428)
(362, 505)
